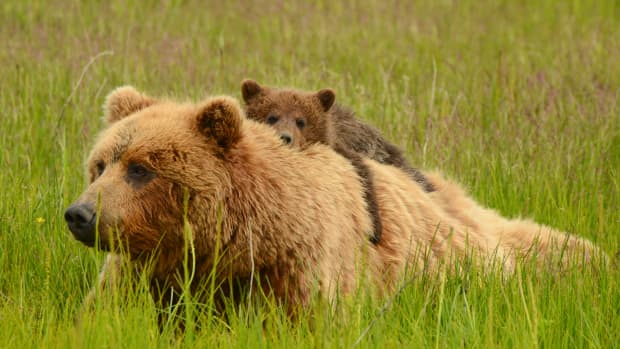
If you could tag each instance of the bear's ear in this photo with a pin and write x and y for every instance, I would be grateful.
(219, 118)
(124, 101)
(326, 98)
(250, 89)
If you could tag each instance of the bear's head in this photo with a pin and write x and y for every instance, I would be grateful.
(156, 163)
(301, 118)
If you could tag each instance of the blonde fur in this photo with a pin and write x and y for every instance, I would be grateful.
(303, 211)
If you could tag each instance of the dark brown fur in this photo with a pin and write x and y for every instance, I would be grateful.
(333, 125)
(367, 141)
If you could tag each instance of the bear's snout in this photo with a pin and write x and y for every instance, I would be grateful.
(286, 138)
(82, 221)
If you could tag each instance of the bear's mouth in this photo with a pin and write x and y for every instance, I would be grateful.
(95, 241)
(100, 244)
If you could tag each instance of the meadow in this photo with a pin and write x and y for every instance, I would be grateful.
(518, 101)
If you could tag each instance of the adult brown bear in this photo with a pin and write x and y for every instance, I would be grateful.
(165, 175)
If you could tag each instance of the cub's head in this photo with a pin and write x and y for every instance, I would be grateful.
(155, 160)
(301, 118)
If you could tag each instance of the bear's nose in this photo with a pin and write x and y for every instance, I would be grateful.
(81, 219)
(286, 138)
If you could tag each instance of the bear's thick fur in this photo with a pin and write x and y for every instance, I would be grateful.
(303, 118)
(165, 176)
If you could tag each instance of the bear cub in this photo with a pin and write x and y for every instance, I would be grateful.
(303, 118)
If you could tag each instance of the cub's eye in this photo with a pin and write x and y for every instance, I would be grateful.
(301, 123)
(272, 119)
(138, 172)
(100, 168)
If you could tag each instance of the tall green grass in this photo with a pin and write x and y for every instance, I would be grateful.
(516, 100)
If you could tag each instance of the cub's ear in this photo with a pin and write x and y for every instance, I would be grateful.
(219, 119)
(250, 89)
(124, 101)
(327, 98)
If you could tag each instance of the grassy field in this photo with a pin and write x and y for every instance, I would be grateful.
(516, 100)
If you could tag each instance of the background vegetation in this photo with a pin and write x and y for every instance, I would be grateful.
(516, 100)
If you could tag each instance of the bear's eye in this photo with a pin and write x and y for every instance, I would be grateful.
(100, 168)
(301, 123)
(138, 175)
(137, 171)
(272, 119)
